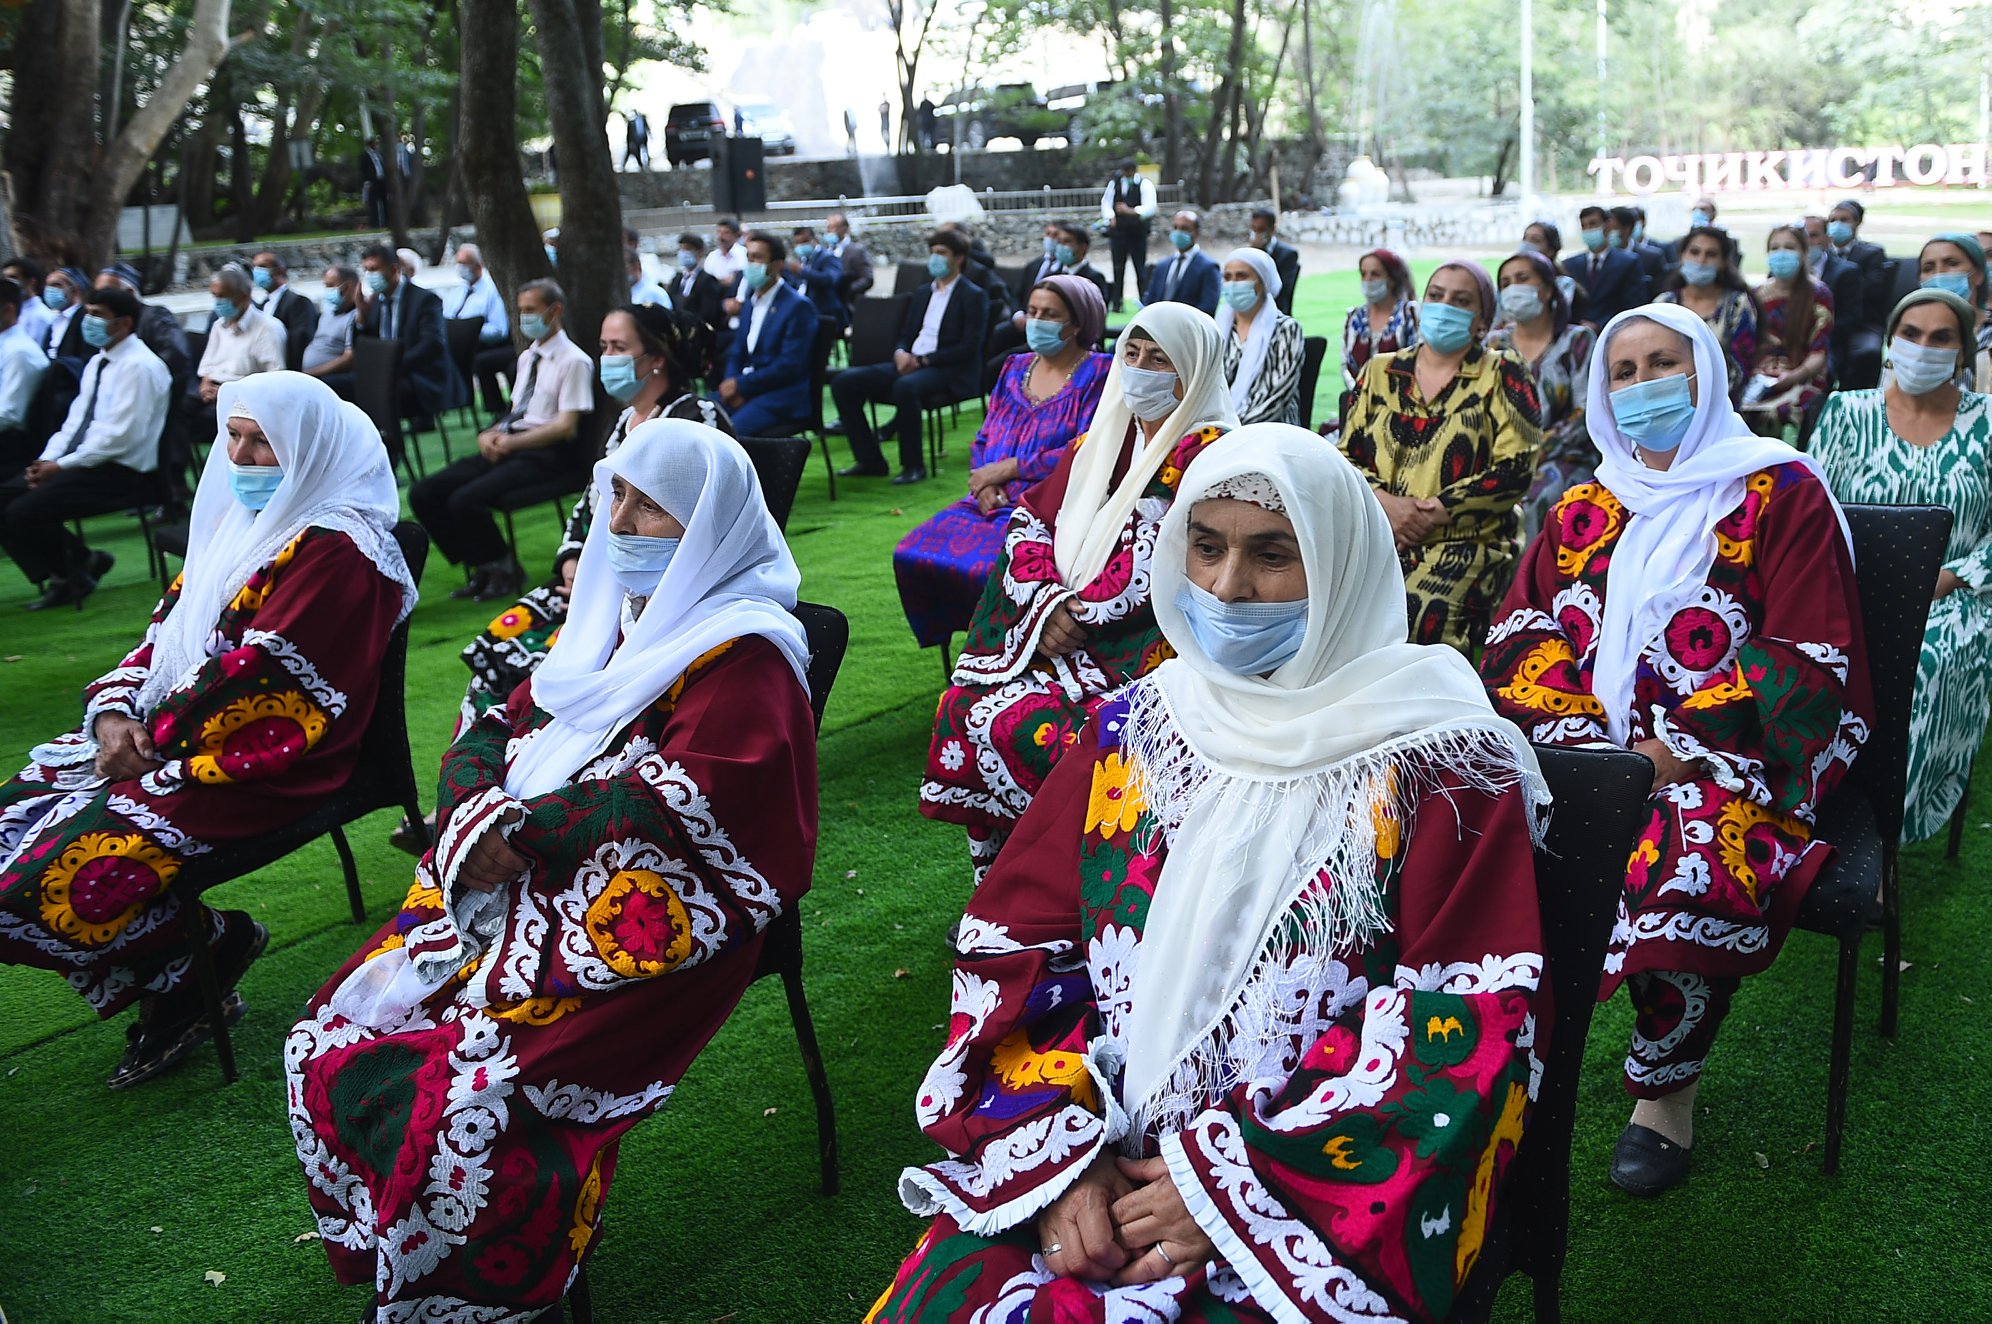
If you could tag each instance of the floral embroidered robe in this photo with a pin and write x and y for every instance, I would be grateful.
(1351, 1170)
(459, 1161)
(261, 731)
(1760, 680)
(1009, 713)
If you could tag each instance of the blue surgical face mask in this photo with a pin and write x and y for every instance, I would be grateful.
(1615, 239)
(261, 277)
(1656, 413)
(754, 276)
(1245, 638)
(1242, 295)
(1444, 326)
(96, 331)
(376, 282)
(1783, 263)
(937, 266)
(465, 274)
(687, 259)
(333, 299)
(534, 325)
(1951, 282)
(254, 484)
(1593, 237)
(1376, 291)
(1066, 255)
(1699, 218)
(1150, 395)
(1920, 369)
(1044, 337)
(225, 310)
(804, 252)
(619, 377)
(1840, 232)
(1699, 274)
(1522, 303)
(1182, 239)
(1638, 232)
(55, 297)
(639, 562)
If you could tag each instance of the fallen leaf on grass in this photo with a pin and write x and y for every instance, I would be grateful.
(850, 873)
(1762, 1160)
(901, 973)
(767, 1112)
(897, 511)
(303, 1237)
(215, 1277)
(861, 891)
(156, 1229)
(14, 657)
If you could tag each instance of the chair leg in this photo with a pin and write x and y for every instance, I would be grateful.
(352, 875)
(829, 465)
(560, 516)
(1549, 1296)
(947, 663)
(1957, 819)
(443, 430)
(512, 538)
(413, 809)
(580, 1305)
(812, 1063)
(210, 983)
(1843, 1046)
(1891, 941)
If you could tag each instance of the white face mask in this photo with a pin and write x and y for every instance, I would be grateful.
(1150, 395)
(1920, 369)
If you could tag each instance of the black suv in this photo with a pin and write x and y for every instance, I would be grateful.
(690, 131)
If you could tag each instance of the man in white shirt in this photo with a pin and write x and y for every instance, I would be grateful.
(642, 289)
(101, 459)
(22, 364)
(535, 443)
(1128, 209)
(479, 297)
(242, 341)
(296, 313)
(727, 259)
(35, 315)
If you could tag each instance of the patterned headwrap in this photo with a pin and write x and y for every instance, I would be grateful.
(1973, 252)
(1082, 298)
(1488, 302)
(1545, 271)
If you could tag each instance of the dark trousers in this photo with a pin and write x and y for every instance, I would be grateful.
(454, 503)
(881, 383)
(1130, 246)
(32, 518)
(17, 450)
(490, 364)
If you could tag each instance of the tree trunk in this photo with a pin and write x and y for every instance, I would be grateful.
(1317, 140)
(200, 164)
(241, 193)
(1172, 109)
(488, 152)
(591, 247)
(50, 141)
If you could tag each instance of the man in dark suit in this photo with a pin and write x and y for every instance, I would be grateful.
(854, 256)
(1265, 224)
(1610, 276)
(275, 296)
(695, 290)
(373, 183)
(1625, 228)
(1856, 349)
(1843, 230)
(1189, 277)
(1070, 245)
(767, 382)
(399, 309)
(939, 358)
(814, 268)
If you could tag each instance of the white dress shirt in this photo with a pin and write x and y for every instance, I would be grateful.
(35, 319)
(124, 395)
(929, 338)
(480, 299)
(58, 327)
(726, 267)
(252, 343)
(22, 364)
(648, 291)
(1145, 206)
(561, 377)
(757, 311)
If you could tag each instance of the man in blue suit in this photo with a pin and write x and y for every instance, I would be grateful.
(939, 358)
(1610, 276)
(1188, 277)
(766, 387)
(817, 270)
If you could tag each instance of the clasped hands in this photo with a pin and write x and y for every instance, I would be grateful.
(124, 748)
(1108, 1224)
(491, 444)
(1413, 519)
(491, 862)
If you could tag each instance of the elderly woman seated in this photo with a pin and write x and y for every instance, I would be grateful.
(239, 710)
(1245, 1018)
(1262, 345)
(1696, 604)
(614, 843)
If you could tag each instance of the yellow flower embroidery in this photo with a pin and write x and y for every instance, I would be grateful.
(1020, 1067)
(1473, 1228)
(113, 869)
(585, 1206)
(535, 1011)
(1735, 820)
(274, 713)
(1725, 691)
(1572, 557)
(510, 624)
(607, 917)
(253, 593)
(1116, 800)
(1526, 691)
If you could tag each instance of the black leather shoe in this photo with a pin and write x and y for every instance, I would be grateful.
(905, 476)
(860, 471)
(1646, 1163)
(834, 427)
(472, 590)
(505, 581)
(100, 564)
(63, 593)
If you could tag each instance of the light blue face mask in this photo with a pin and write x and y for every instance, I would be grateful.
(687, 259)
(639, 562)
(376, 282)
(1375, 291)
(534, 325)
(1920, 369)
(1150, 395)
(465, 274)
(1698, 274)
(619, 377)
(1840, 232)
(1656, 413)
(1242, 295)
(1182, 239)
(1245, 638)
(1699, 218)
(1783, 263)
(1951, 282)
(225, 310)
(1615, 239)
(254, 484)
(937, 266)
(754, 276)
(1445, 327)
(1593, 237)
(54, 297)
(1044, 337)
(261, 277)
(804, 252)
(333, 299)
(1066, 255)
(96, 331)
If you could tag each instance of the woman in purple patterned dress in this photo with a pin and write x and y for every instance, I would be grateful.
(1041, 402)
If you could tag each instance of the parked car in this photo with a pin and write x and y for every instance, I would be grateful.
(690, 131)
(769, 123)
(1008, 110)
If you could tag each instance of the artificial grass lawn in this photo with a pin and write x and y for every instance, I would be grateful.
(715, 1212)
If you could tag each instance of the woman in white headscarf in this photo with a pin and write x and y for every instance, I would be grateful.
(1262, 345)
(1245, 1014)
(239, 710)
(612, 845)
(1695, 603)
(1067, 616)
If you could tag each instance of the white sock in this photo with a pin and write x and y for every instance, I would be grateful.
(1673, 1116)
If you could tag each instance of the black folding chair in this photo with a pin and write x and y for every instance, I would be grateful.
(781, 950)
(462, 334)
(1958, 819)
(828, 336)
(778, 463)
(875, 327)
(1897, 553)
(1580, 874)
(1313, 352)
(556, 491)
(383, 778)
(909, 276)
(377, 391)
(296, 340)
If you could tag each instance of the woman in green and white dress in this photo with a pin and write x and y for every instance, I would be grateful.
(1921, 440)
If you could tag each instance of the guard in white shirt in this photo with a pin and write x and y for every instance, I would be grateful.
(22, 364)
(101, 459)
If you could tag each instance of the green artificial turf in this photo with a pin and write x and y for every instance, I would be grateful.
(115, 1206)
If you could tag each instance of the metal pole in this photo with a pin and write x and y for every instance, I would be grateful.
(1528, 106)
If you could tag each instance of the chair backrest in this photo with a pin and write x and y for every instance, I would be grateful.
(197, 343)
(829, 634)
(297, 339)
(1898, 551)
(462, 333)
(1013, 275)
(828, 333)
(778, 463)
(385, 762)
(909, 276)
(875, 327)
(377, 387)
(1313, 352)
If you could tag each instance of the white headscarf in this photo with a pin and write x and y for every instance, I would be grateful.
(1090, 518)
(1664, 556)
(731, 576)
(1264, 783)
(336, 476)
(1253, 357)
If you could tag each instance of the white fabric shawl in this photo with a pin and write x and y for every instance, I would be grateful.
(1264, 783)
(1091, 517)
(732, 576)
(1253, 356)
(1664, 556)
(336, 476)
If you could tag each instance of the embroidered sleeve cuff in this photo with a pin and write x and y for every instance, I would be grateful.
(1207, 1198)
(1687, 747)
(467, 824)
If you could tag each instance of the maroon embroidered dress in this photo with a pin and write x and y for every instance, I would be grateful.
(252, 740)
(460, 1161)
(1761, 681)
(1010, 713)
(1351, 1171)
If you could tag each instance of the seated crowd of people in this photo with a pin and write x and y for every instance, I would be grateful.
(1249, 1002)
